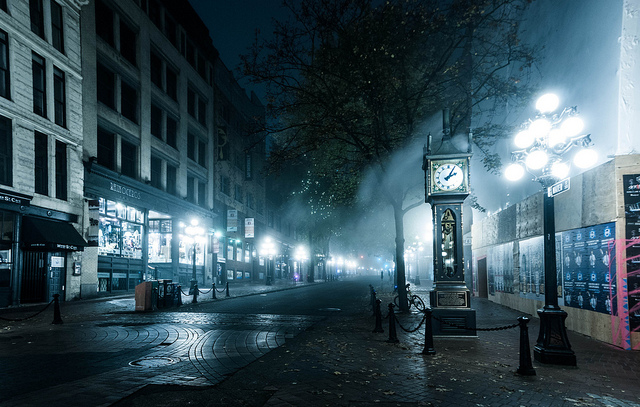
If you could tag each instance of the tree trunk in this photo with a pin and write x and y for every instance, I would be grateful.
(398, 215)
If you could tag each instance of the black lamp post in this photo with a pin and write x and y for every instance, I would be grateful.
(544, 143)
(268, 250)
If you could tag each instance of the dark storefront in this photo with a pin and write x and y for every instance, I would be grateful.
(35, 248)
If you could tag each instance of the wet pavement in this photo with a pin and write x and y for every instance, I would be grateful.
(235, 360)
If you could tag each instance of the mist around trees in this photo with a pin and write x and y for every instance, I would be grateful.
(352, 87)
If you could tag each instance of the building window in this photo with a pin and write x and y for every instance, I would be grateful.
(61, 170)
(191, 54)
(156, 172)
(191, 103)
(172, 173)
(225, 187)
(238, 193)
(6, 151)
(202, 112)
(156, 121)
(250, 200)
(3, 6)
(129, 159)
(172, 132)
(202, 194)
(171, 30)
(106, 149)
(129, 101)
(191, 146)
(41, 159)
(191, 193)
(128, 43)
(106, 86)
(4, 65)
(59, 97)
(154, 13)
(36, 13)
(57, 33)
(156, 69)
(172, 83)
(104, 22)
(39, 85)
(202, 153)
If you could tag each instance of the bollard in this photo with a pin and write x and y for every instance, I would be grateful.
(195, 293)
(393, 337)
(227, 290)
(526, 367)
(179, 287)
(371, 294)
(428, 333)
(56, 309)
(213, 292)
(378, 328)
(374, 302)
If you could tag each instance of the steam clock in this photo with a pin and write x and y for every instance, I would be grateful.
(446, 167)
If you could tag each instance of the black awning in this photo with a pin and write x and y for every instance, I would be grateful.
(49, 235)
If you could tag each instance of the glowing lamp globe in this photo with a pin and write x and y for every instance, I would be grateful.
(524, 139)
(514, 172)
(536, 159)
(540, 127)
(547, 103)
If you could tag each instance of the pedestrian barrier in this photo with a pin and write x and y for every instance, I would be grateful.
(525, 368)
(31, 316)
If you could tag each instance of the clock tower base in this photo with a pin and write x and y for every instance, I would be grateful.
(452, 313)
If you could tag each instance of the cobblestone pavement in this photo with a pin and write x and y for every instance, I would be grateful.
(104, 351)
(336, 361)
(341, 362)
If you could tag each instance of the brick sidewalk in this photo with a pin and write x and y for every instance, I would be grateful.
(340, 362)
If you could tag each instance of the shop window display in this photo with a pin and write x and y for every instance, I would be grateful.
(121, 230)
(160, 240)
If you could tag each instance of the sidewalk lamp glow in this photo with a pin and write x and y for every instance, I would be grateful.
(544, 145)
(195, 235)
(268, 250)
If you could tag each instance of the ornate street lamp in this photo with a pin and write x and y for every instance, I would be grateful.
(195, 233)
(544, 144)
(268, 250)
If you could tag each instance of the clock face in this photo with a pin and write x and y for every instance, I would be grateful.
(449, 176)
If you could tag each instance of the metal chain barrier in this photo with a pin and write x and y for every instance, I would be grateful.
(500, 328)
(223, 289)
(204, 292)
(424, 318)
(182, 291)
(29, 317)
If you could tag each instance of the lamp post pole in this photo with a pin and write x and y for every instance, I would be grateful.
(543, 144)
(194, 278)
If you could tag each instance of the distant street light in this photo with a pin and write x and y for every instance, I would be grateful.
(543, 144)
(301, 254)
(195, 233)
(268, 250)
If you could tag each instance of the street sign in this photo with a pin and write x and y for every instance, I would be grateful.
(558, 188)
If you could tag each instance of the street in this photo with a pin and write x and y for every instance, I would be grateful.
(102, 358)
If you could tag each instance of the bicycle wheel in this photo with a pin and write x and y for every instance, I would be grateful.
(417, 301)
(396, 301)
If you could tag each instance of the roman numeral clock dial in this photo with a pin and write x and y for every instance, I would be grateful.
(448, 176)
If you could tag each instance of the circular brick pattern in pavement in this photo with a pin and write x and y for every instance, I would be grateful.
(153, 362)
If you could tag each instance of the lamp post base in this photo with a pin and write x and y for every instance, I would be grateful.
(553, 345)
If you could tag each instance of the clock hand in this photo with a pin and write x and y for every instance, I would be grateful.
(451, 174)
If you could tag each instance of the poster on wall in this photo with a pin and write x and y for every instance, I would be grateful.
(589, 274)
(500, 268)
(232, 220)
(531, 275)
(632, 234)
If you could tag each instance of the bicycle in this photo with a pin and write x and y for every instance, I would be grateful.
(412, 300)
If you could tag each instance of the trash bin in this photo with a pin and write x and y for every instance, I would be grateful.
(176, 294)
(144, 296)
(165, 293)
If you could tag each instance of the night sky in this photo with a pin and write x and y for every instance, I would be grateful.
(232, 24)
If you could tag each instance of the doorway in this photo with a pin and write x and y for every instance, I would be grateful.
(482, 278)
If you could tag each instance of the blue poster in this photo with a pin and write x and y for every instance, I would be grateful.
(589, 275)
